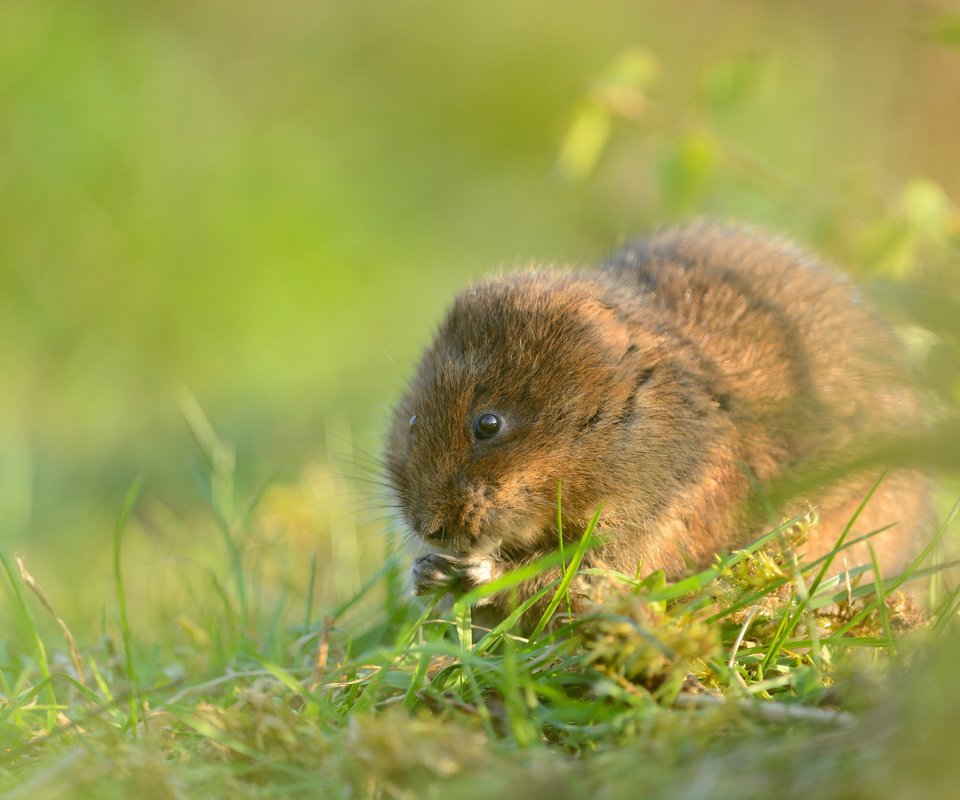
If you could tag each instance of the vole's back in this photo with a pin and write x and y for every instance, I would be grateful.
(809, 372)
(778, 330)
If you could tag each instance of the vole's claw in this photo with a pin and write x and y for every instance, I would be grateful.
(440, 573)
(435, 573)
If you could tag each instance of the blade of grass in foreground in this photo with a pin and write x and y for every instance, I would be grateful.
(464, 626)
(519, 719)
(501, 630)
(790, 621)
(32, 583)
(311, 588)
(510, 579)
(843, 536)
(128, 503)
(42, 664)
(563, 560)
(947, 610)
(753, 597)
(912, 571)
(220, 488)
(867, 589)
(881, 596)
(698, 581)
(570, 570)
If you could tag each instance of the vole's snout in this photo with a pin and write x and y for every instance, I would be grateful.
(456, 517)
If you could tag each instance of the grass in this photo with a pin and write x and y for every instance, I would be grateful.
(758, 672)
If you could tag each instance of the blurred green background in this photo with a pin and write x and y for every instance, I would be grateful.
(266, 207)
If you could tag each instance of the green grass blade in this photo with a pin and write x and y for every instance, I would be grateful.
(912, 571)
(867, 589)
(43, 665)
(695, 583)
(881, 596)
(511, 579)
(563, 559)
(131, 673)
(488, 642)
(464, 626)
(947, 610)
(843, 536)
(311, 589)
(568, 574)
(753, 597)
(518, 714)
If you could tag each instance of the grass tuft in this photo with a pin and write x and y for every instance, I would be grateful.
(388, 696)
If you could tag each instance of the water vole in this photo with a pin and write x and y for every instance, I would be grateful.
(666, 384)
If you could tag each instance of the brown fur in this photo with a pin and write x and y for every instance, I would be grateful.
(694, 365)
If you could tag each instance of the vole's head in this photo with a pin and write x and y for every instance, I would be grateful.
(532, 379)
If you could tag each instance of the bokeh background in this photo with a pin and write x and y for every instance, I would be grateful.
(251, 215)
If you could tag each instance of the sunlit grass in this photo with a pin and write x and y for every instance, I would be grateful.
(384, 696)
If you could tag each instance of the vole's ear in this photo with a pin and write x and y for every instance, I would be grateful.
(604, 322)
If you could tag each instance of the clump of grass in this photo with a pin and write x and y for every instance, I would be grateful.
(386, 697)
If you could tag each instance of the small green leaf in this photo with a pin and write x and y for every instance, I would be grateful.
(584, 142)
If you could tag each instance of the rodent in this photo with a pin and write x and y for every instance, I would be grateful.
(669, 382)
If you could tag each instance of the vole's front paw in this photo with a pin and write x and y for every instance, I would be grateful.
(436, 573)
(440, 573)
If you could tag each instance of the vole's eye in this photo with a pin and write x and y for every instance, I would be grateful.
(487, 424)
(413, 422)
